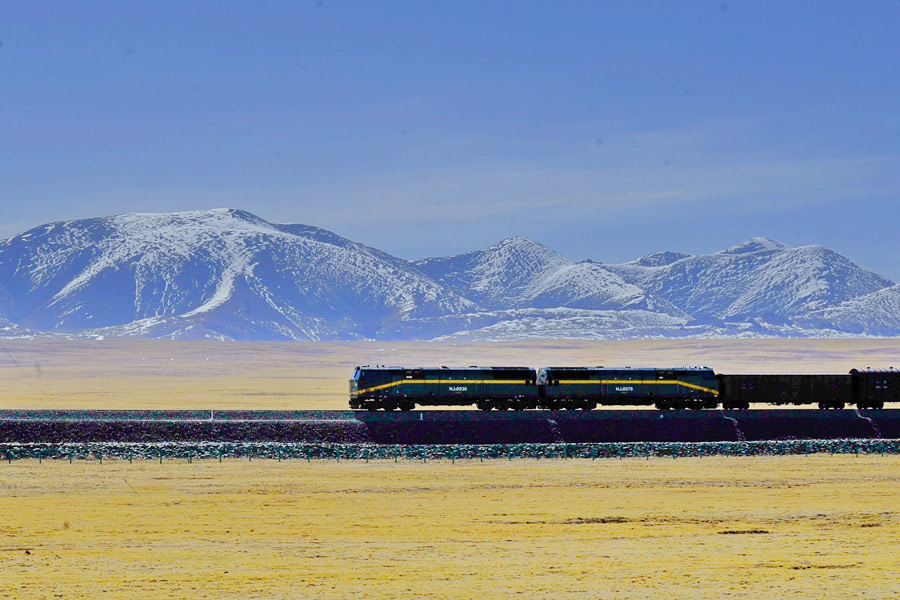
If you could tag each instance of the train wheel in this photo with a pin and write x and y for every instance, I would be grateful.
(407, 406)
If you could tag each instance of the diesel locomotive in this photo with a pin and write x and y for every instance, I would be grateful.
(585, 388)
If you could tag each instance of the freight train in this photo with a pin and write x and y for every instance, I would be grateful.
(586, 388)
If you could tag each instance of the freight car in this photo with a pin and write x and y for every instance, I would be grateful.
(872, 388)
(866, 388)
(390, 388)
(828, 391)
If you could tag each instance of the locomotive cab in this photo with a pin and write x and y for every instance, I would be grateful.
(370, 386)
(392, 388)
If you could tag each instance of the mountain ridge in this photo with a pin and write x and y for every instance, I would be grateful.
(229, 274)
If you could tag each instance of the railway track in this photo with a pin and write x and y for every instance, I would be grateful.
(445, 427)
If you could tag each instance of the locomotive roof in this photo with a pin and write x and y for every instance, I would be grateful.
(470, 368)
(601, 367)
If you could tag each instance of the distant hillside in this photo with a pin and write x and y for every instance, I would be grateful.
(228, 274)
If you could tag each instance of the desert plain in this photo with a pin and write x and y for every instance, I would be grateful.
(762, 527)
(768, 527)
(156, 374)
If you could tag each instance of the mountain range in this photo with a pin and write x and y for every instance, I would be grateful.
(228, 274)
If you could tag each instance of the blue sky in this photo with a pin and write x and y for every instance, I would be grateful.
(606, 130)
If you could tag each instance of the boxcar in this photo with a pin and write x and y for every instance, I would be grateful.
(586, 387)
(391, 388)
(873, 387)
(828, 391)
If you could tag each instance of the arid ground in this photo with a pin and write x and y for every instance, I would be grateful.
(314, 375)
(765, 527)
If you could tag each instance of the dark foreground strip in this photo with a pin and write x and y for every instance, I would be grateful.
(281, 451)
(446, 427)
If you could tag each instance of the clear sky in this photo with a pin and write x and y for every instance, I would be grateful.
(606, 130)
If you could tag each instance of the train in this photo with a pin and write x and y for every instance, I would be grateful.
(586, 388)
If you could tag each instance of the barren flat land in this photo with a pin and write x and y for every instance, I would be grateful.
(767, 527)
(314, 375)
(763, 527)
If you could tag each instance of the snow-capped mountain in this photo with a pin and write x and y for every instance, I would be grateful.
(659, 259)
(217, 273)
(500, 277)
(757, 278)
(228, 274)
(521, 273)
(876, 314)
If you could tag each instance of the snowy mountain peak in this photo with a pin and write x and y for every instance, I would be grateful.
(229, 274)
(521, 245)
(755, 244)
(498, 276)
(659, 259)
(210, 273)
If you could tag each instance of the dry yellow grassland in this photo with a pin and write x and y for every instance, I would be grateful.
(313, 375)
(769, 527)
(760, 527)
